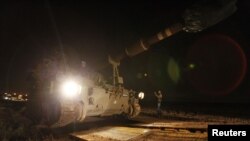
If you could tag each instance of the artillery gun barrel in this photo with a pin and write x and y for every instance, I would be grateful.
(144, 44)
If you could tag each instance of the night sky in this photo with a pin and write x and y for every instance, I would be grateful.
(206, 66)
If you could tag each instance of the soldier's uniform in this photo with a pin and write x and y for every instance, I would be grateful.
(159, 99)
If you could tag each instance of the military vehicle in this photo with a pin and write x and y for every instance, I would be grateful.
(80, 97)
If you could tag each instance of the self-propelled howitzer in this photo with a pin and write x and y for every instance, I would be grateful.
(78, 97)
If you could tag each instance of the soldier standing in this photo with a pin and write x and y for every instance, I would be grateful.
(159, 99)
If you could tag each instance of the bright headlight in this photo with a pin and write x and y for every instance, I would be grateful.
(141, 95)
(70, 89)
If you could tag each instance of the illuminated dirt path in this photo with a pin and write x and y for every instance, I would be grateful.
(146, 129)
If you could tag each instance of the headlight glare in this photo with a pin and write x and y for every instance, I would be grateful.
(70, 89)
(141, 95)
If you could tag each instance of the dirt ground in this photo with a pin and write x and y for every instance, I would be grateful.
(16, 127)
